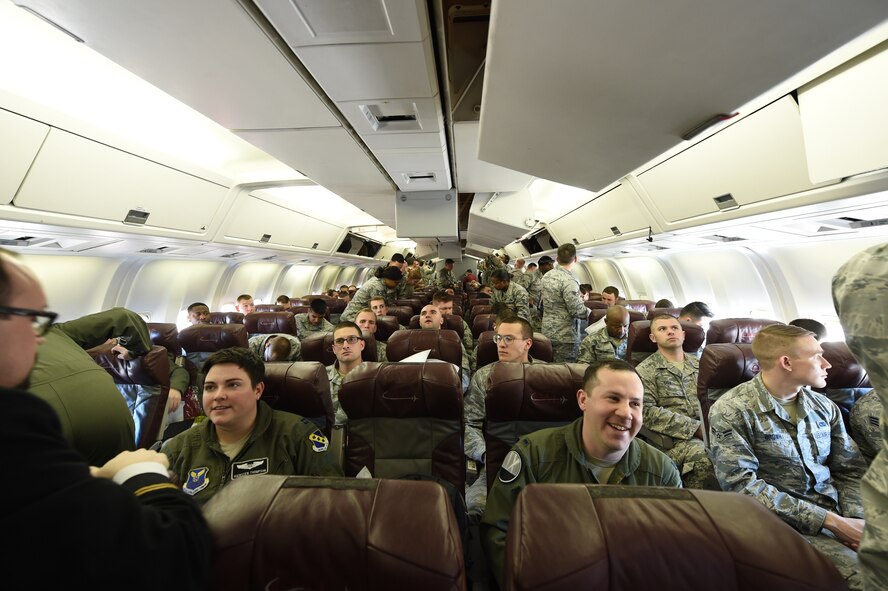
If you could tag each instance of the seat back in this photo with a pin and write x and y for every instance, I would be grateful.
(414, 304)
(523, 398)
(144, 383)
(639, 344)
(736, 330)
(336, 306)
(319, 347)
(270, 323)
(386, 326)
(269, 308)
(479, 309)
(702, 540)
(225, 318)
(846, 380)
(201, 340)
(302, 388)
(722, 367)
(643, 306)
(298, 532)
(165, 334)
(596, 304)
(402, 313)
(444, 345)
(482, 323)
(451, 322)
(485, 349)
(404, 418)
(653, 312)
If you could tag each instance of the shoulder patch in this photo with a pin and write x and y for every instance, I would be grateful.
(510, 468)
(198, 479)
(318, 442)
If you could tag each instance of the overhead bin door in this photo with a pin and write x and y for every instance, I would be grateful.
(758, 158)
(21, 141)
(256, 217)
(77, 176)
(618, 208)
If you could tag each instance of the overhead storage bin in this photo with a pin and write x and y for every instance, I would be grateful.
(254, 218)
(618, 208)
(758, 158)
(21, 141)
(76, 176)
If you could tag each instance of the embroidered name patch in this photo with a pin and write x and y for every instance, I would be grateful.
(319, 443)
(510, 468)
(248, 467)
(198, 479)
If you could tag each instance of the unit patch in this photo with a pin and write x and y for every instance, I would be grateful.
(511, 467)
(248, 467)
(198, 479)
(319, 443)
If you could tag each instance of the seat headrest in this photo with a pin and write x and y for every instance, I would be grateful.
(643, 306)
(596, 304)
(702, 540)
(336, 305)
(385, 327)
(401, 390)
(402, 313)
(270, 323)
(302, 388)
(319, 347)
(725, 365)
(482, 323)
(166, 335)
(736, 330)
(152, 368)
(478, 309)
(451, 322)
(846, 371)
(485, 348)
(657, 311)
(534, 391)
(225, 318)
(444, 344)
(270, 308)
(209, 338)
(297, 532)
(639, 339)
(414, 304)
(599, 313)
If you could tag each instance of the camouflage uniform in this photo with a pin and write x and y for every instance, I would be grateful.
(532, 282)
(380, 351)
(468, 340)
(444, 279)
(799, 471)
(672, 414)
(374, 288)
(515, 298)
(599, 346)
(561, 308)
(257, 345)
(335, 383)
(859, 291)
(865, 425)
(305, 328)
(402, 291)
(491, 263)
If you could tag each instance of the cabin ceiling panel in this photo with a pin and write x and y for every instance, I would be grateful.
(584, 92)
(309, 22)
(74, 175)
(477, 176)
(228, 70)
(22, 138)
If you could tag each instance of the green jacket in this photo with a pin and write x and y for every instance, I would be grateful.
(94, 415)
(281, 443)
(556, 455)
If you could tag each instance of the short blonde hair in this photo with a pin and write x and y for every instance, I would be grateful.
(776, 340)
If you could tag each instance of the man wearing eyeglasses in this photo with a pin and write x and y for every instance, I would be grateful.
(513, 338)
(347, 346)
(104, 520)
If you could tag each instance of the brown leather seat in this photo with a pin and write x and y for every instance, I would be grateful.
(269, 308)
(736, 330)
(653, 312)
(386, 326)
(225, 318)
(599, 313)
(639, 340)
(722, 367)
(165, 334)
(414, 304)
(523, 398)
(451, 322)
(485, 348)
(302, 388)
(642, 306)
(402, 313)
(596, 304)
(298, 532)
(270, 323)
(145, 385)
(444, 344)
(201, 340)
(319, 347)
(479, 309)
(404, 418)
(633, 537)
(482, 323)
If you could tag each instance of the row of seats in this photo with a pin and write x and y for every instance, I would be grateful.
(280, 532)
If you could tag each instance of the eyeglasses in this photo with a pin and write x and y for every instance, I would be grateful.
(497, 338)
(342, 340)
(41, 320)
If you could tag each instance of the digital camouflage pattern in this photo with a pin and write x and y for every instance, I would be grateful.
(562, 307)
(599, 346)
(866, 426)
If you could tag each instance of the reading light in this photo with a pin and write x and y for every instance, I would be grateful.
(136, 217)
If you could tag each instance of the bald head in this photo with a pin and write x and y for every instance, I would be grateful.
(19, 288)
(617, 321)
